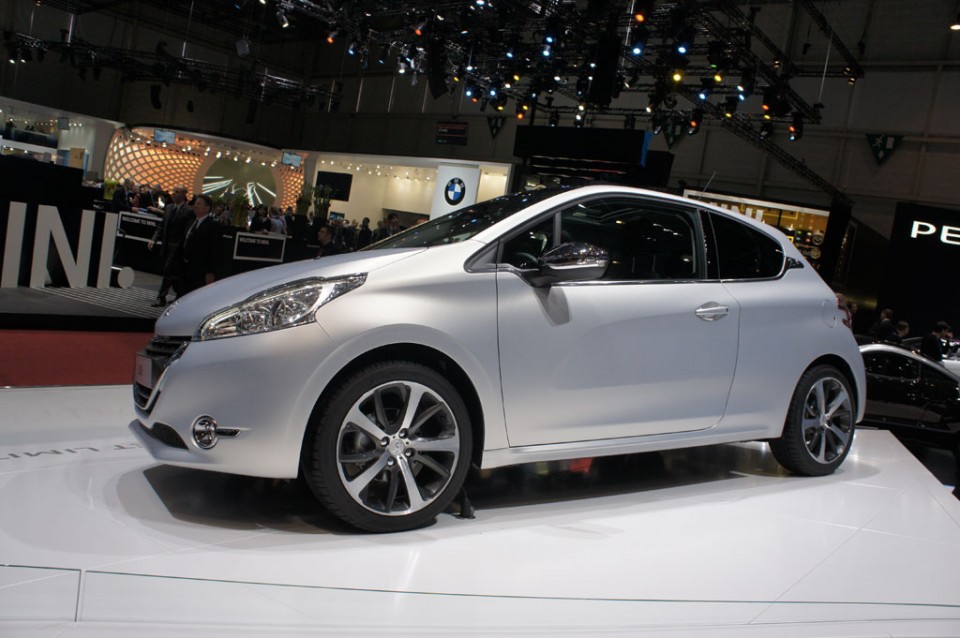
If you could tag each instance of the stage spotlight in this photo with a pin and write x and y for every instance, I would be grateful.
(714, 54)
(642, 9)
(555, 119)
(656, 123)
(677, 75)
(384, 52)
(332, 37)
(578, 120)
(730, 106)
(956, 24)
(706, 88)
(282, 19)
(685, 39)
(766, 129)
(748, 80)
(696, 118)
(796, 127)
(639, 40)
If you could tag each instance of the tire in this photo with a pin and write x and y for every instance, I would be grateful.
(380, 467)
(820, 423)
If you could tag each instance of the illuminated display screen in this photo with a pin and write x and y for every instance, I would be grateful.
(229, 176)
(161, 135)
(292, 159)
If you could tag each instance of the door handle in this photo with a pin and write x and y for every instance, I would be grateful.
(712, 311)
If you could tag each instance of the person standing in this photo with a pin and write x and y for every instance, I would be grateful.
(326, 235)
(199, 246)
(364, 234)
(932, 344)
(126, 198)
(177, 217)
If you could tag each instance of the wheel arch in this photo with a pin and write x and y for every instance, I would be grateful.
(840, 364)
(415, 353)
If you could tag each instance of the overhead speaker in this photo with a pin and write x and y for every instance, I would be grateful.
(155, 96)
(436, 71)
(605, 75)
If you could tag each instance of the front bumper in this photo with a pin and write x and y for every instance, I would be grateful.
(262, 386)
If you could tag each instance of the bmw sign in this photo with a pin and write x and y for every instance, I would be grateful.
(454, 191)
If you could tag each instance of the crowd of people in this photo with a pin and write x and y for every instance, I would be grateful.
(934, 345)
(187, 232)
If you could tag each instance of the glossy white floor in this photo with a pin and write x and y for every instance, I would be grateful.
(97, 540)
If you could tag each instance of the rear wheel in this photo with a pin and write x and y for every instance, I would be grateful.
(820, 422)
(391, 449)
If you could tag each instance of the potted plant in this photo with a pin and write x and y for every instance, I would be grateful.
(321, 201)
(304, 200)
(238, 209)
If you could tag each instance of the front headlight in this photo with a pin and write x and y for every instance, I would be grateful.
(285, 306)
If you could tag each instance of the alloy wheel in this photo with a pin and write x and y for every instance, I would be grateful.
(827, 423)
(397, 448)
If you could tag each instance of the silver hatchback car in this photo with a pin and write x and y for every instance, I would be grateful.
(536, 326)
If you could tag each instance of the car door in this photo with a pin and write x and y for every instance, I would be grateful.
(941, 395)
(648, 349)
(894, 394)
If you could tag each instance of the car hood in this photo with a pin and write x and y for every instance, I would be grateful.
(184, 316)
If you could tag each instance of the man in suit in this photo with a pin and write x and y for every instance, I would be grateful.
(199, 246)
(126, 198)
(177, 217)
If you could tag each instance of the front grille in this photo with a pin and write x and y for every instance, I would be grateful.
(161, 350)
(164, 347)
(141, 394)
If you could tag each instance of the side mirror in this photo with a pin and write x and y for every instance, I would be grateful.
(575, 261)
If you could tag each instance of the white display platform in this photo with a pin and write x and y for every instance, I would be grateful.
(98, 540)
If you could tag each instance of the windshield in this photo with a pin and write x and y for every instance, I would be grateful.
(463, 223)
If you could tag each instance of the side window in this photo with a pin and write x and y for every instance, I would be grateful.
(744, 252)
(891, 365)
(524, 249)
(645, 240)
(935, 377)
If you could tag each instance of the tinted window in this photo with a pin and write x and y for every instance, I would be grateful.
(744, 252)
(645, 240)
(463, 223)
(938, 377)
(891, 365)
(525, 249)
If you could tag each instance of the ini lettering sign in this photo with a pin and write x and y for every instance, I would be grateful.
(41, 243)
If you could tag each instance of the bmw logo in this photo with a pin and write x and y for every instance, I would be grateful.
(454, 191)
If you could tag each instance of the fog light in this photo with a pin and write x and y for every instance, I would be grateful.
(205, 432)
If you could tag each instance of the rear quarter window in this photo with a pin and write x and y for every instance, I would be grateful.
(744, 252)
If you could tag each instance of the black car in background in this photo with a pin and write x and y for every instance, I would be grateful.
(914, 397)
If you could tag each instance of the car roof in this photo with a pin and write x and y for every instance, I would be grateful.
(564, 196)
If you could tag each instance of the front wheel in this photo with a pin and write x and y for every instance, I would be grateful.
(391, 449)
(819, 426)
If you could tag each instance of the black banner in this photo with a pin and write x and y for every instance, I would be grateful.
(253, 247)
(452, 133)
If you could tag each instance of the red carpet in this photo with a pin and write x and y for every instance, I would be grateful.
(55, 357)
